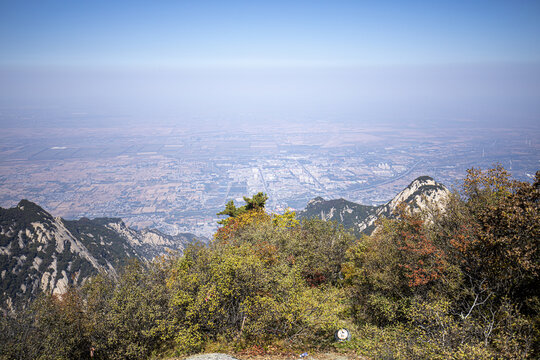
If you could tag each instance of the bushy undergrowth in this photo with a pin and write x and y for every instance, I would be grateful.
(458, 283)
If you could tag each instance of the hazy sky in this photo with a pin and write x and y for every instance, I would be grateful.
(387, 60)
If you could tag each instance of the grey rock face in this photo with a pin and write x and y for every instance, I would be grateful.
(361, 218)
(42, 253)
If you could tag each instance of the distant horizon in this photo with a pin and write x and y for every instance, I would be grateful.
(504, 95)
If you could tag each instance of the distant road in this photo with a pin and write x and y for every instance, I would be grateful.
(383, 182)
(229, 185)
(273, 198)
(315, 179)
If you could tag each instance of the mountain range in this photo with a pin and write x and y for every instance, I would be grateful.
(360, 219)
(42, 253)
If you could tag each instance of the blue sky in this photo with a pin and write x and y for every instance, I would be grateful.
(432, 61)
(267, 33)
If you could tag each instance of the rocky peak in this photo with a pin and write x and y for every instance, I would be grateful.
(41, 253)
(418, 194)
(315, 201)
(361, 218)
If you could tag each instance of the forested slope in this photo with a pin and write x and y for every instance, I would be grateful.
(459, 282)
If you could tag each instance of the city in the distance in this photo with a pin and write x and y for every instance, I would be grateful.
(177, 178)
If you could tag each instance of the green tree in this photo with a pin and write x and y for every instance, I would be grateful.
(464, 280)
(256, 202)
(255, 285)
(60, 327)
(136, 309)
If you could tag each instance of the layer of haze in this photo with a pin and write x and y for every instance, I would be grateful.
(237, 63)
(488, 94)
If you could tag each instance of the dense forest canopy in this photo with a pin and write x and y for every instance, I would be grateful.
(458, 281)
